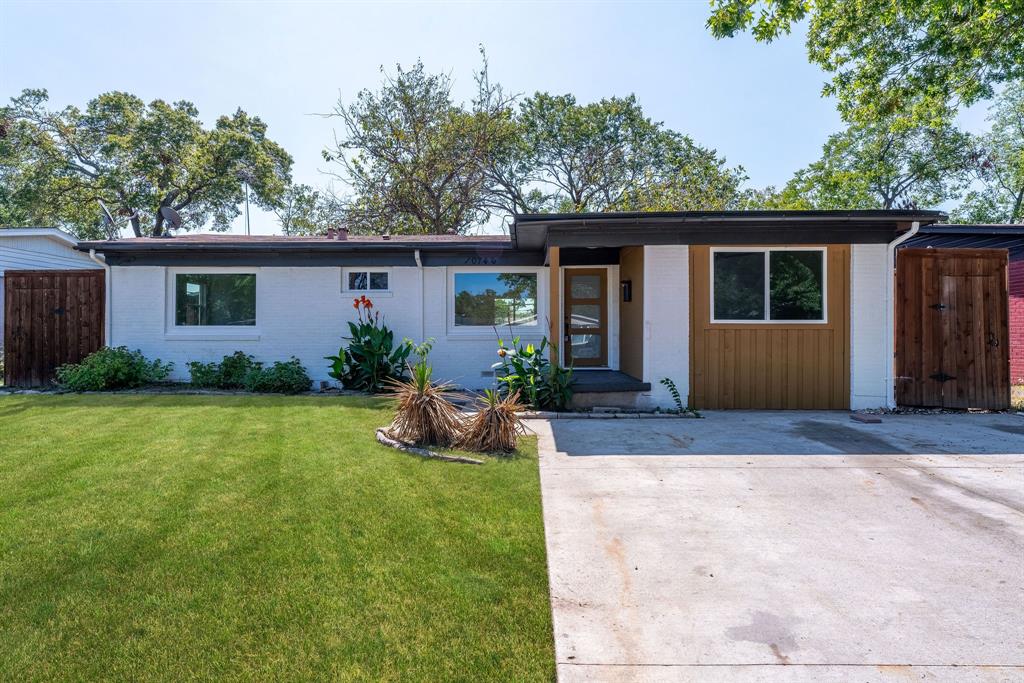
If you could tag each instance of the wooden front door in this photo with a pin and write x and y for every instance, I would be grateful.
(585, 311)
(952, 328)
(51, 317)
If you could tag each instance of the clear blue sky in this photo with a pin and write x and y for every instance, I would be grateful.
(758, 105)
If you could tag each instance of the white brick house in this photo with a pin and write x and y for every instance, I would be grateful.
(739, 309)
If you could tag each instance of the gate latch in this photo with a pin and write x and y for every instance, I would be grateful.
(938, 307)
(58, 311)
(941, 377)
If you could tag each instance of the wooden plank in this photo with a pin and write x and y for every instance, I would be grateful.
(51, 318)
(962, 309)
(771, 365)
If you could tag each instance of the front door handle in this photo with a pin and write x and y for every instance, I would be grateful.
(992, 340)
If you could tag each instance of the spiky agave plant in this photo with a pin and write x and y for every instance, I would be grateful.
(425, 415)
(496, 426)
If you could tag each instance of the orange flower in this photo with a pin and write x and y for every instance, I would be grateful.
(355, 304)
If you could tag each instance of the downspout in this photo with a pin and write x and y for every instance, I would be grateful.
(890, 313)
(423, 297)
(108, 288)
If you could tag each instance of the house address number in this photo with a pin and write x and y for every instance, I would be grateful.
(481, 261)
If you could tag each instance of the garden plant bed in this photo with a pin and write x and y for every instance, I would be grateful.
(259, 537)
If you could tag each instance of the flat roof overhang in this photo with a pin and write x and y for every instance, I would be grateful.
(313, 254)
(532, 231)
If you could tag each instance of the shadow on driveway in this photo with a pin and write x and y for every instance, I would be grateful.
(793, 433)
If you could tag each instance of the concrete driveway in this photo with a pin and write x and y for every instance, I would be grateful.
(786, 547)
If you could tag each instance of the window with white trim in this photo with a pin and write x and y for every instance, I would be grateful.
(486, 299)
(215, 299)
(768, 285)
(366, 280)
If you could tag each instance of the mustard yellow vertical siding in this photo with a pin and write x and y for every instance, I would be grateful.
(631, 313)
(771, 365)
(555, 305)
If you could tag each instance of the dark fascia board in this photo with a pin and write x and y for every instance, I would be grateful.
(591, 256)
(733, 234)
(318, 257)
(730, 227)
(647, 217)
(1009, 229)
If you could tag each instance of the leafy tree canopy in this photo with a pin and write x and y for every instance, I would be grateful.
(876, 167)
(904, 61)
(415, 160)
(418, 162)
(999, 165)
(304, 210)
(605, 156)
(136, 158)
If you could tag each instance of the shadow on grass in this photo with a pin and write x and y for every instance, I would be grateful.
(14, 403)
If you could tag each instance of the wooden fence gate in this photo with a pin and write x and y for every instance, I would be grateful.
(51, 317)
(952, 328)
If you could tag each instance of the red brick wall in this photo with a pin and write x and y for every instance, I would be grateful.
(1017, 320)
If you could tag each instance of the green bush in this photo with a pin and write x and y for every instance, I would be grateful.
(242, 371)
(541, 384)
(283, 377)
(370, 360)
(230, 373)
(112, 368)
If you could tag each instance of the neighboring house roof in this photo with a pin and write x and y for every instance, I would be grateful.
(40, 249)
(992, 236)
(531, 236)
(53, 233)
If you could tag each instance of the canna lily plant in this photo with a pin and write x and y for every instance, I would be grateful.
(371, 357)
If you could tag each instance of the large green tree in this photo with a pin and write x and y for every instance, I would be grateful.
(415, 160)
(903, 61)
(304, 210)
(605, 156)
(136, 158)
(877, 167)
(999, 165)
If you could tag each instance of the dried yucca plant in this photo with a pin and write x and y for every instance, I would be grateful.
(496, 426)
(425, 415)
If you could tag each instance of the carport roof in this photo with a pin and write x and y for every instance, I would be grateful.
(993, 236)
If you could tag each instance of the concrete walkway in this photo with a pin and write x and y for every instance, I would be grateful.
(786, 547)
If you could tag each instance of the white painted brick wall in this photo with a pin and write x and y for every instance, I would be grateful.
(666, 321)
(303, 312)
(868, 345)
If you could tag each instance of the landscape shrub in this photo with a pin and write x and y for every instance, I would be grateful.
(496, 426)
(425, 415)
(112, 368)
(230, 373)
(371, 359)
(526, 370)
(241, 371)
(283, 377)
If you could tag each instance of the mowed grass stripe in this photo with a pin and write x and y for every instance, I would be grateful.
(170, 537)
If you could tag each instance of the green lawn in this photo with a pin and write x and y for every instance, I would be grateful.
(229, 537)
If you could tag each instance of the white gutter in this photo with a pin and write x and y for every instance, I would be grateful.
(423, 297)
(890, 313)
(109, 297)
